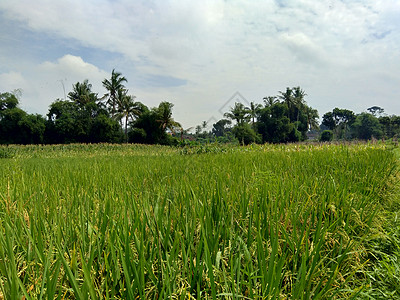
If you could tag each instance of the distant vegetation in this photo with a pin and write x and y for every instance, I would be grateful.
(153, 222)
(116, 117)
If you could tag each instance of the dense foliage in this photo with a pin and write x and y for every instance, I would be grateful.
(116, 117)
(87, 118)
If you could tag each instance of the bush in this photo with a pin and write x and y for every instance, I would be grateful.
(326, 136)
(137, 135)
(245, 134)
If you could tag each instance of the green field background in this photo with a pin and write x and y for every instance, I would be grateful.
(153, 222)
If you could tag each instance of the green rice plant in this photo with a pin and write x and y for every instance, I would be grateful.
(153, 222)
(6, 152)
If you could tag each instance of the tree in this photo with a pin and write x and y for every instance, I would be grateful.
(326, 136)
(344, 118)
(16, 126)
(8, 101)
(245, 134)
(376, 110)
(312, 118)
(82, 94)
(339, 121)
(115, 84)
(270, 100)
(221, 127)
(329, 121)
(164, 112)
(294, 99)
(286, 117)
(296, 109)
(198, 130)
(62, 126)
(32, 128)
(275, 126)
(387, 126)
(204, 125)
(81, 119)
(298, 99)
(128, 109)
(201, 130)
(287, 98)
(105, 130)
(390, 126)
(253, 111)
(147, 130)
(152, 125)
(238, 113)
(10, 130)
(367, 126)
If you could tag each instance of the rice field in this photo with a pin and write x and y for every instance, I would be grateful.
(210, 222)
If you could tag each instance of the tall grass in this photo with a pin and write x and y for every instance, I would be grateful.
(127, 222)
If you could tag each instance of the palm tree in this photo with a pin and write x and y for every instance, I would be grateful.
(198, 130)
(239, 113)
(253, 111)
(294, 99)
(128, 109)
(298, 97)
(270, 100)
(312, 118)
(166, 121)
(287, 98)
(299, 103)
(114, 85)
(82, 94)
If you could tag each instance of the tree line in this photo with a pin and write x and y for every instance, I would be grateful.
(116, 117)
(86, 117)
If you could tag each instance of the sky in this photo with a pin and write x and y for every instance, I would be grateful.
(204, 55)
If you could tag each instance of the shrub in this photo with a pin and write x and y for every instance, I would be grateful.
(326, 136)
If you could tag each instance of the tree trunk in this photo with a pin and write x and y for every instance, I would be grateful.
(126, 129)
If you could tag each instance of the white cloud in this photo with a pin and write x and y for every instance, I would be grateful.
(73, 67)
(11, 81)
(336, 50)
(44, 83)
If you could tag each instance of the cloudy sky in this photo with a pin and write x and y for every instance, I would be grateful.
(198, 54)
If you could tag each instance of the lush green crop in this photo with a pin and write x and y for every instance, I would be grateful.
(257, 222)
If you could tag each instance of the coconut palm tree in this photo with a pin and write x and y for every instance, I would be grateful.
(287, 98)
(82, 94)
(270, 100)
(294, 99)
(239, 113)
(298, 98)
(312, 118)
(253, 111)
(127, 109)
(115, 84)
(165, 119)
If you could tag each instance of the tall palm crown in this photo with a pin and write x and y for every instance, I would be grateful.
(312, 118)
(253, 111)
(127, 108)
(165, 117)
(82, 93)
(270, 100)
(294, 99)
(115, 84)
(239, 113)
